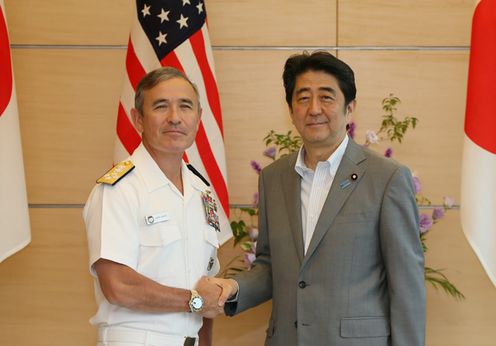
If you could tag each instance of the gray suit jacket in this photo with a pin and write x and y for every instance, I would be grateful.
(361, 281)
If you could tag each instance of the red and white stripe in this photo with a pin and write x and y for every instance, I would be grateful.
(14, 217)
(193, 57)
(478, 212)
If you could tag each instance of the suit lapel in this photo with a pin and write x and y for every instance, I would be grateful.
(292, 198)
(342, 186)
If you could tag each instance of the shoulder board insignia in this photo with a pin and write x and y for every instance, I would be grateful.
(116, 173)
(195, 172)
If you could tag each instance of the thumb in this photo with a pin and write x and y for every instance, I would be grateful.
(225, 294)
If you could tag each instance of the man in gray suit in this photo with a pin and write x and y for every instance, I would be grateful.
(339, 250)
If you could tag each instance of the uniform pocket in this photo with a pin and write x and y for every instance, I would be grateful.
(159, 235)
(157, 249)
(364, 327)
(210, 236)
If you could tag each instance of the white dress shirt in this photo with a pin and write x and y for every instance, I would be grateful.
(315, 186)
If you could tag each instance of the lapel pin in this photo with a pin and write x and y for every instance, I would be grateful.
(354, 176)
(344, 184)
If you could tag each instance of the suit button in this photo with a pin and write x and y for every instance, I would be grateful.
(296, 324)
(302, 284)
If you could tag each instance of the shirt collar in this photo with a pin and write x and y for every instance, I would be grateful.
(153, 176)
(334, 159)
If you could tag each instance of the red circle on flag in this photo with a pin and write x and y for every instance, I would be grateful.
(5, 65)
(480, 116)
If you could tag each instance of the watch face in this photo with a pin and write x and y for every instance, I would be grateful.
(197, 302)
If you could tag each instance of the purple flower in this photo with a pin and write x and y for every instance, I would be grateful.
(425, 223)
(270, 152)
(255, 199)
(372, 137)
(389, 152)
(437, 214)
(351, 129)
(256, 166)
(448, 202)
(253, 233)
(416, 183)
(249, 258)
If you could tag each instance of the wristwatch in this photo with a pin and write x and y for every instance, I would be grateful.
(195, 302)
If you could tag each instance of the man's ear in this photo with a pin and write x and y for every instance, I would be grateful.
(350, 108)
(137, 119)
(290, 109)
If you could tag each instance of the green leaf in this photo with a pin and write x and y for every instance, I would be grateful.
(393, 127)
(439, 280)
(250, 211)
(246, 246)
(239, 231)
(285, 143)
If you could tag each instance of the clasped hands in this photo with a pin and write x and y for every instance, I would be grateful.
(215, 292)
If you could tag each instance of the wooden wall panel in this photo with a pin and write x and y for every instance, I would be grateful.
(468, 322)
(46, 291)
(252, 97)
(57, 122)
(432, 87)
(272, 22)
(430, 84)
(405, 22)
(69, 22)
(68, 102)
(246, 329)
(249, 23)
(49, 90)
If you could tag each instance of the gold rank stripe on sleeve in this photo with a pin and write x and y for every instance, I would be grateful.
(116, 173)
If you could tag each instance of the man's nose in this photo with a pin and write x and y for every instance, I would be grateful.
(173, 115)
(315, 106)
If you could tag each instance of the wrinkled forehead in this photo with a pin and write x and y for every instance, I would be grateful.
(172, 89)
(316, 80)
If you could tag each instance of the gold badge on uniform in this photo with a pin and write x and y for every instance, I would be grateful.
(116, 173)
(210, 209)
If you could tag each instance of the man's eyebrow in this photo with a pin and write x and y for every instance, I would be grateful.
(164, 100)
(302, 90)
(305, 89)
(329, 89)
(187, 100)
(156, 102)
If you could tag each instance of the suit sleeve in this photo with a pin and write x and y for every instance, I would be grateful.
(404, 260)
(255, 285)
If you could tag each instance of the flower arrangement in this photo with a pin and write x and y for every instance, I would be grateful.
(245, 232)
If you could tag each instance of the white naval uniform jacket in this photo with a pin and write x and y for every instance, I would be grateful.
(145, 223)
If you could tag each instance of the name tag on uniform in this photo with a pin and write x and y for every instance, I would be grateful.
(156, 218)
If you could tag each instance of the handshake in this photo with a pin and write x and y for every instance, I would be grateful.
(215, 292)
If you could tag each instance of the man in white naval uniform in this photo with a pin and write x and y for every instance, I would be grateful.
(151, 224)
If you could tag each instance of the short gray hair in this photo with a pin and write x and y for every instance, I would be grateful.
(154, 77)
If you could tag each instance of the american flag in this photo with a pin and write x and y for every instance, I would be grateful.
(174, 33)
